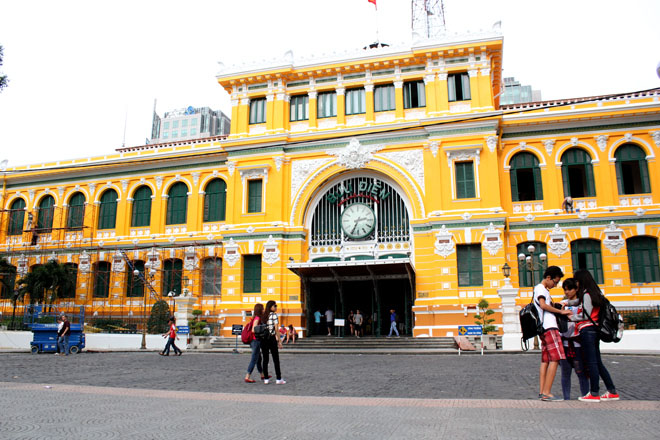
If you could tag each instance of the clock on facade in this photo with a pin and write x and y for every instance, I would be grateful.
(358, 220)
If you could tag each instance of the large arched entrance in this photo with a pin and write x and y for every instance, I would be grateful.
(359, 253)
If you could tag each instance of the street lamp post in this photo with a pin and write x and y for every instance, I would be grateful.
(533, 262)
(150, 273)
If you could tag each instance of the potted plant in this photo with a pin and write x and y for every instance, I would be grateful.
(199, 332)
(483, 318)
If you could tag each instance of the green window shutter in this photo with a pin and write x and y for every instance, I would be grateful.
(326, 105)
(586, 254)
(421, 94)
(177, 204)
(465, 188)
(538, 183)
(212, 277)
(254, 195)
(135, 286)
(644, 176)
(565, 181)
(76, 211)
(252, 273)
(619, 176)
(513, 177)
(141, 215)
(102, 280)
(16, 217)
(258, 111)
(172, 276)
(643, 259)
(298, 108)
(215, 201)
(384, 98)
(589, 175)
(469, 264)
(108, 210)
(355, 101)
(45, 214)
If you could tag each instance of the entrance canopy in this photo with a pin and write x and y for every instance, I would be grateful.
(358, 270)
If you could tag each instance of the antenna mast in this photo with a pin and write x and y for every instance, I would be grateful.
(428, 18)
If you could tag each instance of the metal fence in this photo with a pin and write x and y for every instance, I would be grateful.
(641, 318)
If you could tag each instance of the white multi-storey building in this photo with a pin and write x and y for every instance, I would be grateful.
(189, 123)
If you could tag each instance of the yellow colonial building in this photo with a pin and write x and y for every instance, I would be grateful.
(388, 178)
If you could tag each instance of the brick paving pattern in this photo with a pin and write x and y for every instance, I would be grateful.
(144, 396)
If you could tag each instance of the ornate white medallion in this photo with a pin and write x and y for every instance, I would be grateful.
(302, 169)
(190, 259)
(412, 161)
(558, 244)
(355, 155)
(492, 241)
(232, 254)
(444, 243)
(271, 252)
(613, 238)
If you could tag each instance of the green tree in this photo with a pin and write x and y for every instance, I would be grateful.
(3, 78)
(160, 314)
(483, 317)
(49, 282)
(8, 286)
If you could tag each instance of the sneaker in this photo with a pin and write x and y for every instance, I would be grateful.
(540, 396)
(546, 398)
(589, 398)
(609, 396)
(280, 382)
(266, 381)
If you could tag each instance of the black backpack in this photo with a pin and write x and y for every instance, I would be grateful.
(610, 322)
(531, 324)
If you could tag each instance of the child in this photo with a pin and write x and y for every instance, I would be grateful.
(572, 347)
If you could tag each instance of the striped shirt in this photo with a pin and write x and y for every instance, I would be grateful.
(273, 323)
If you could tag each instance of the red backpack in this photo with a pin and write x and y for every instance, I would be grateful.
(246, 334)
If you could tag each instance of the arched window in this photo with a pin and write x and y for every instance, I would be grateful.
(76, 212)
(72, 273)
(7, 281)
(101, 279)
(141, 215)
(215, 201)
(527, 278)
(45, 214)
(577, 173)
(643, 259)
(525, 178)
(212, 276)
(16, 217)
(632, 172)
(108, 210)
(172, 274)
(586, 255)
(177, 204)
(134, 285)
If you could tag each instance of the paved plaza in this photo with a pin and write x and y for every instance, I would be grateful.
(143, 396)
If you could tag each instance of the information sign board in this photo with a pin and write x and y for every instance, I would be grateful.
(469, 330)
(236, 329)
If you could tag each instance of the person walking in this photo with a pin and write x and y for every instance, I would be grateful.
(170, 340)
(572, 347)
(63, 336)
(552, 350)
(590, 299)
(351, 322)
(357, 319)
(393, 321)
(255, 345)
(59, 329)
(329, 320)
(271, 344)
(317, 322)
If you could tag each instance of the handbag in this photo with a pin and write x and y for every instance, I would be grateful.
(261, 331)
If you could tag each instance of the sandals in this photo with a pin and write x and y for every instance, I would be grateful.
(162, 354)
(250, 381)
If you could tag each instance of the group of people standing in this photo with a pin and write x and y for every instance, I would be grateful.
(270, 345)
(577, 347)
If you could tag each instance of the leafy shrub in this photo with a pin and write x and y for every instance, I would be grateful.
(160, 314)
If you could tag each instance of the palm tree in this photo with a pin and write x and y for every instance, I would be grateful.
(48, 282)
(7, 281)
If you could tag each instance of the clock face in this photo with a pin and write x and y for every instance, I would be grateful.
(358, 220)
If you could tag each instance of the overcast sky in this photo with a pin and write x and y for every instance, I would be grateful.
(79, 69)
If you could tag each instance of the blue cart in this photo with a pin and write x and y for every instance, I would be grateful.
(44, 330)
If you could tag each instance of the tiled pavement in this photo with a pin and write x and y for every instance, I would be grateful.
(145, 396)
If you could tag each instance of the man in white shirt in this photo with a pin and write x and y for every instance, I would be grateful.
(552, 349)
(329, 319)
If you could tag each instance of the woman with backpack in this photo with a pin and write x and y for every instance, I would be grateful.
(271, 343)
(255, 344)
(590, 300)
(572, 346)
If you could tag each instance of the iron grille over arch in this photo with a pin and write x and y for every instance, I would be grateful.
(391, 213)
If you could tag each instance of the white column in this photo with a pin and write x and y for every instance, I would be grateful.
(510, 318)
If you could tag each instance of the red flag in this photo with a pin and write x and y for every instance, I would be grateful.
(374, 2)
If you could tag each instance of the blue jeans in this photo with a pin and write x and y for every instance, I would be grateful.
(255, 345)
(591, 347)
(63, 344)
(567, 367)
(170, 343)
(393, 328)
